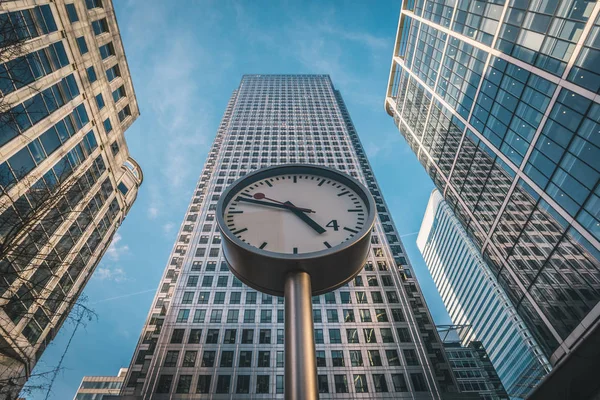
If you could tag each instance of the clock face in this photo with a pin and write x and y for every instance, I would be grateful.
(295, 213)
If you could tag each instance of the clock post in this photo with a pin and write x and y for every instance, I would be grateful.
(286, 272)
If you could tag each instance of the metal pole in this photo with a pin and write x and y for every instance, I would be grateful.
(300, 356)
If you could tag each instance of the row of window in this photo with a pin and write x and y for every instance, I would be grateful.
(245, 358)
(264, 336)
(263, 386)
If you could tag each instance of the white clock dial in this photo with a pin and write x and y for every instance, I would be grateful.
(295, 213)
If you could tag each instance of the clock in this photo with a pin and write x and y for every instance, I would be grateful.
(295, 218)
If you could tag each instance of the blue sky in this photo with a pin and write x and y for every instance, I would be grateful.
(186, 57)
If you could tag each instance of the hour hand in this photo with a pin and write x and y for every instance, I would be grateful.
(275, 205)
(318, 228)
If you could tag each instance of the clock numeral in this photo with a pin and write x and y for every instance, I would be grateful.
(333, 224)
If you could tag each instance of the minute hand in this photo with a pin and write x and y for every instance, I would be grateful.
(274, 205)
(318, 228)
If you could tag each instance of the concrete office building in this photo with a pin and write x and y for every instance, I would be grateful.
(476, 302)
(100, 387)
(66, 177)
(210, 335)
(499, 101)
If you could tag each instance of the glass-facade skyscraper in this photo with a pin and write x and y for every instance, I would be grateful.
(499, 101)
(210, 335)
(476, 302)
(67, 179)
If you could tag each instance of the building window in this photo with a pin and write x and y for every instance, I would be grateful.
(279, 384)
(212, 336)
(195, 335)
(100, 101)
(219, 298)
(321, 361)
(72, 13)
(264, 336)
(177, 336)
(107, 125)
(404, 335)
(370, 335)
(392, 358)
(337, 358)
(124, 113)
(114, 148)
(171, 358)
(226, 359)
(91, 74)
(380, 383)
(418, 382)
(264, 359)
(182, 316)
(360, 383)
(334, 336)
(223, 383)
(203, 384)
(208, 359)
(399, 383)
(365, 315)
(251, 298)
(247, 336)
(332, 316)
(352, 336)
(319, 336)
(192, 281)
(164, 384)
(93, 4)
(381, 315)
(233, 316)
(322, 383)
(266, 316)
(410, 355)
(221, 280)
(100, 26)
(387, 335)
(398, 315)
(245, 359)
(243, 384)
(230, 335)
(82, 45)
(122, 188)
(203, 297)
(118, 93)
(107, 50)
(249, 316)
(216, 316)
(262, 384)
(341, 383)
(189, 358)
(113, 72)
(207, 280)
(374, 358)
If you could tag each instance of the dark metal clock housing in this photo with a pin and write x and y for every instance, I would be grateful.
(266, 270)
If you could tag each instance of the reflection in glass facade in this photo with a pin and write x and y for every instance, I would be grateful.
(473, 370)
(476, 302)
(208, 334)
(498, 101)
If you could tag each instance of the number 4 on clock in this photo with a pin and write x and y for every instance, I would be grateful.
(333, 224)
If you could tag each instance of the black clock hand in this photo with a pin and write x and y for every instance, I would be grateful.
(318, 228)
(275, 205)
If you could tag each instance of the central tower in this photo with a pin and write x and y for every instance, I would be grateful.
(207, 333)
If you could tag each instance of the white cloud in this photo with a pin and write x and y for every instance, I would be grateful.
(168, 228)
(116, 274)
(115, 251)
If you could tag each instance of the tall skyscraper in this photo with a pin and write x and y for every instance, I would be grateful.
(475, 300)
(207, 333)
(66, 177)
(499, 101)
(100, 387)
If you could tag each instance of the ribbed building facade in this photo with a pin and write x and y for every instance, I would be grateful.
(476, 302)
(66, 177)
(210, 335)
(499, 101)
